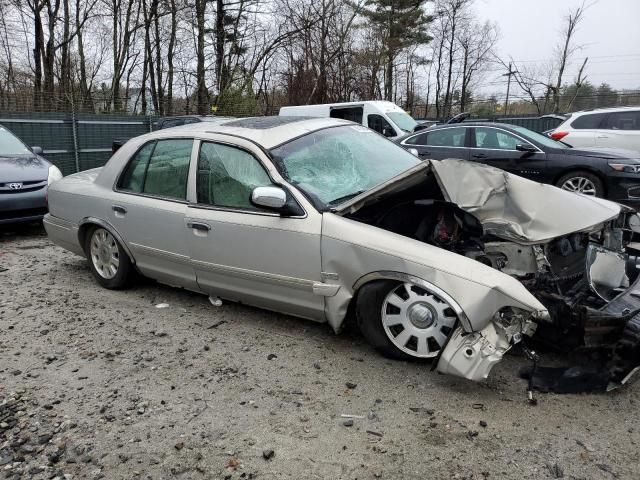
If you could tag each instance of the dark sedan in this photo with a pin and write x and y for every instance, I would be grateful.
(612, 174)
(24, 178)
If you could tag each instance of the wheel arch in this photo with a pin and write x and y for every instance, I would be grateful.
(408, 278)
(87, 223)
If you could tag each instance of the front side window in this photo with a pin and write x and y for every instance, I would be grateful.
(539, 138)
(227, 176)
(337, 163)
(160, 169)
(380, 125)
(495, 139)
(447, 137)
(623, 121)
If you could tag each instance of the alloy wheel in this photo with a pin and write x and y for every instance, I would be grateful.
(580, 185)
(417, 321)
(105, 255)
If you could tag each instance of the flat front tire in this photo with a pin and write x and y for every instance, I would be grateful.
(109, 263)
(404, 321)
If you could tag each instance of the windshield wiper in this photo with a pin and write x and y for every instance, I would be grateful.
(345, 198)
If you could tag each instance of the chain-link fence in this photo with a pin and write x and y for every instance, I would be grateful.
(78, 136)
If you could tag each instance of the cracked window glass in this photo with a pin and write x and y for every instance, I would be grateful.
(334, 164)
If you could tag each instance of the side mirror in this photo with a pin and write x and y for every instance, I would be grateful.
(37, 150)
(419, 127)
(274, 198)
(525, 147)
(388, 132)
(413, 151)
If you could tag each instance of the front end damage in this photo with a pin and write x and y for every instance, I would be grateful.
(574, 254)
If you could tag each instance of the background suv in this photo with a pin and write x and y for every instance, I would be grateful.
(602, 128)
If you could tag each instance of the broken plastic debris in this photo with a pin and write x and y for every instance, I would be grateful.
(345, 415)
(162, 305)
(215, 301)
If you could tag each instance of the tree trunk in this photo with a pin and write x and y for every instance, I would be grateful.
(220, 40)
(202, 100)
(37, 57)
(170, 50)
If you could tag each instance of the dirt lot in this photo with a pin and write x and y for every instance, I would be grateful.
(103, 384)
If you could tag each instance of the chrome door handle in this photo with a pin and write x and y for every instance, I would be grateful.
(199, 226)
(118, 209)
(603, 136)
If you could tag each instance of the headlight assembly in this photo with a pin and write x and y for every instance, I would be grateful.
(54, 174)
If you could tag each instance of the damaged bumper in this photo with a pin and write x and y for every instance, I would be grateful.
(472, 355)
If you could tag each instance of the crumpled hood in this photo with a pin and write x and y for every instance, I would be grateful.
(517, 209)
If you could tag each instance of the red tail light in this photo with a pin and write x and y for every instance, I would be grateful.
(559, 135)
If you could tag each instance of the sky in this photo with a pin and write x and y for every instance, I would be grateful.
(530, 29)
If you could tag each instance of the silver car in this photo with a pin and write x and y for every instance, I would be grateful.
(322, 218)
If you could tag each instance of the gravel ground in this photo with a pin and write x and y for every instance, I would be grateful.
(103, 384)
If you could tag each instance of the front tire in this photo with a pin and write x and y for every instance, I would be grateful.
(404, 321)
(582, 182)
(109, 263)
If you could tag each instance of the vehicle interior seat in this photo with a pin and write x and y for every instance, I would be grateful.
(161, 179)
(490, 140)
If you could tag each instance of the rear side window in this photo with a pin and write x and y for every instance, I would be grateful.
(623, 121)
(353, 114)
(174, 122)
(591, 121)
(447, 137)
(417, 139)
(160, 168)
(133, 177)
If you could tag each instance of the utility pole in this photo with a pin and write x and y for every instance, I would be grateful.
(509, 74)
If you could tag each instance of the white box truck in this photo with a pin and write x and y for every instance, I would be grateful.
(386, 118)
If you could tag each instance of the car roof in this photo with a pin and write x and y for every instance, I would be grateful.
(268, 132)
(606, 110)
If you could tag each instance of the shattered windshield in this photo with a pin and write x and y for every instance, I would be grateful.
(335, 164)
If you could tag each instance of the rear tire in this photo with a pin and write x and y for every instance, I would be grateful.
(583, 182)
(109, 263)
(404, 321)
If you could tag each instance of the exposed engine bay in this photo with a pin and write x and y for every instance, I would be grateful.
(582, 278)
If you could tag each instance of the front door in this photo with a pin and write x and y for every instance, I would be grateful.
(244, 253)
(497, 147)
(148, 209)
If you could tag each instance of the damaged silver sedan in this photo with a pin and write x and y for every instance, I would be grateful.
(321, 218)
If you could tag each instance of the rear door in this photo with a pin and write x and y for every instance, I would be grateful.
(497, 147)
(583, 129)
(620, 130)
(441, 143)
(148, 209)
